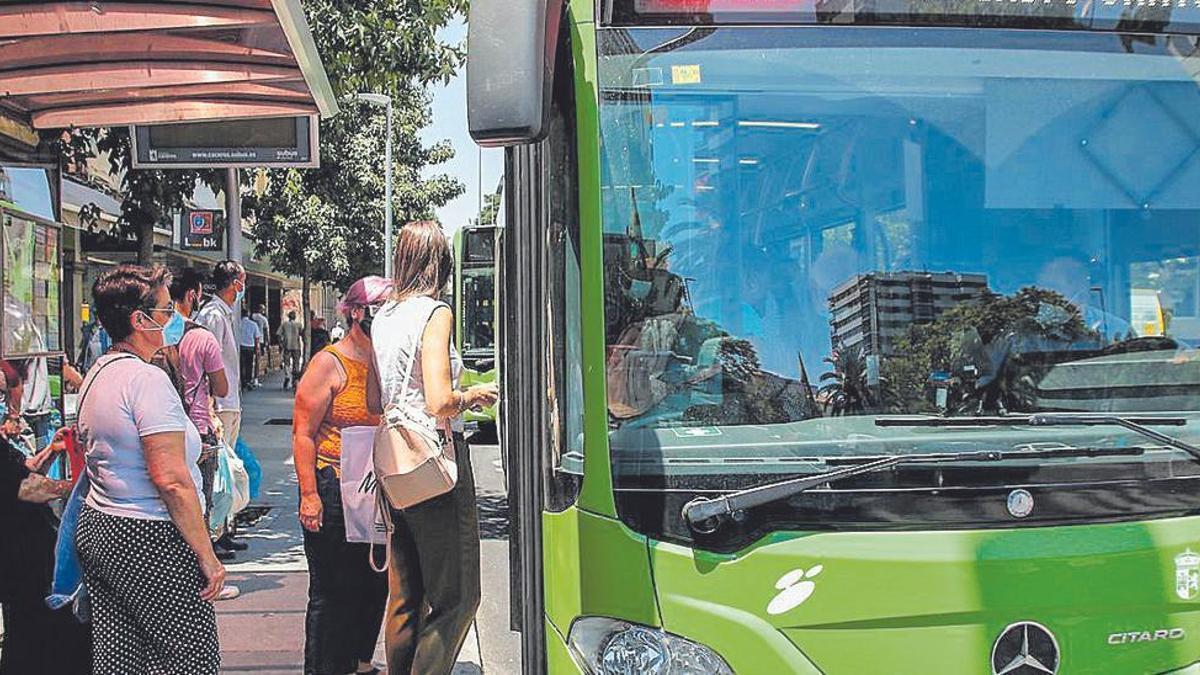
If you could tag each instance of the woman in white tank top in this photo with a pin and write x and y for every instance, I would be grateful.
(435, 546)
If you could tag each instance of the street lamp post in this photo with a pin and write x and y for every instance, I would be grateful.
(386, 101)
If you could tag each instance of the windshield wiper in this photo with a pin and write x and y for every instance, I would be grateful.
(704, 514)
(1136, 424)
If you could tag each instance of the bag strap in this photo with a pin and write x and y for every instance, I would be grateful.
(389, 526)
(92, 382)
(412, 361)
(190, 401)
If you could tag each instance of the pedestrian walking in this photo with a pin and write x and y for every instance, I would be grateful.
(346, 597)
(433, 572)
(264, 329)
(250, 341)
(143, 544)
(291, 343)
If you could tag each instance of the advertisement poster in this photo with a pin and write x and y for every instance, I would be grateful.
(32, 287)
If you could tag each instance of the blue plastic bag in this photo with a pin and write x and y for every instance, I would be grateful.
(253, 468)
(68, 586)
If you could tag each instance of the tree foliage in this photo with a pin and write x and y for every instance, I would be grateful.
(327, 223)
(491, 208)
(845, 387)
(386, 47)
(984, 351)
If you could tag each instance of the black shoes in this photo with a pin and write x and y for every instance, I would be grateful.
(230, 544)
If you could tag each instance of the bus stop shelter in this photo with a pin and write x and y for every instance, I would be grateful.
(104, 64)
(99, 63)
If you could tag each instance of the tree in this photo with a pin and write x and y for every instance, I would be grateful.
(491, 208)
(349, 186)
(846, 390)
(988, 353)
(383, 46)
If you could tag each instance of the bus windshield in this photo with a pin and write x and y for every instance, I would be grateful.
(807, 230)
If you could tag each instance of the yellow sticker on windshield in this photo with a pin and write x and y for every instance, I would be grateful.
(685, 74)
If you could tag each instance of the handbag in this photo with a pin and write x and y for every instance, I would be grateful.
(360, 508)
(413, 463)
(239, 478)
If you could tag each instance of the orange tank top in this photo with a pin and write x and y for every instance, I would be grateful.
(348, 409)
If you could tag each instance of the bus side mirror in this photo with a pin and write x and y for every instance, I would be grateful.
(510, 69)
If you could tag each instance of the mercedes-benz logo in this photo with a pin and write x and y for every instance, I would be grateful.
(1025, 648)
(1020, 503)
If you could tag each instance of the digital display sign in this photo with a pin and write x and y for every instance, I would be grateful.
(270, 142)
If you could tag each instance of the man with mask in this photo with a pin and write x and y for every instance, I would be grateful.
(201, 367)
(220, 316)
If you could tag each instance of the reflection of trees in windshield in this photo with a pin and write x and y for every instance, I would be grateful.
(986, 356)
(846, 389)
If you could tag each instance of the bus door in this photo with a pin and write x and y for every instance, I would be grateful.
(538, 331)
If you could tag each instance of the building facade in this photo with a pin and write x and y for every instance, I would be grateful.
(875, 309)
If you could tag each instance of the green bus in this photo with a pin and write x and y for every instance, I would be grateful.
(475, 311)
(824, 337)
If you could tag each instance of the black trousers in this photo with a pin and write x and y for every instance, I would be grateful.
(346, 597)
(247, 367)
(38, 639)
(433, 577)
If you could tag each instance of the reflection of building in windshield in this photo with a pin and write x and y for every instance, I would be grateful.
(875, 309)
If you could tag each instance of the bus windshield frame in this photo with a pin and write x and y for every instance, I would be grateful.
(881, 139)
(1151, 16)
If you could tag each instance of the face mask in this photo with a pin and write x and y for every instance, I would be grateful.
(237, 302)
(158, 328)
(365, 322)
(639, 289)
(173, 331)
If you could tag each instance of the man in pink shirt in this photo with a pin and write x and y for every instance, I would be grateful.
(202, 371)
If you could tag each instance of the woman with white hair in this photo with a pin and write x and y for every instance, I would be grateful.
(346, 597)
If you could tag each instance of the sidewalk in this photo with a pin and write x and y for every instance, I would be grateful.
(262, 631)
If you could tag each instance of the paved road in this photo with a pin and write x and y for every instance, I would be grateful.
(262, 632)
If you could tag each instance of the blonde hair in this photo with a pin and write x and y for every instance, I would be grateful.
(423, 262)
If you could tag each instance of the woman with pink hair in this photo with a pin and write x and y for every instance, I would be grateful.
(346, 598)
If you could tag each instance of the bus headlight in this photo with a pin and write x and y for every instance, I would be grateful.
(610, 647)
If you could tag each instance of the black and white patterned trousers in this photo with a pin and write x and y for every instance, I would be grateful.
(144, 582)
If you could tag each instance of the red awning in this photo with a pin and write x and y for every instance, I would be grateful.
(86, 64)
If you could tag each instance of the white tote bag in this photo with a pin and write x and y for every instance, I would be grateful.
(239, 479)
(364, 522)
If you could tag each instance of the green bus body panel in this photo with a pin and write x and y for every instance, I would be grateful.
(595, 566)
(596, 494)
(558, 657)
(935, 602)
